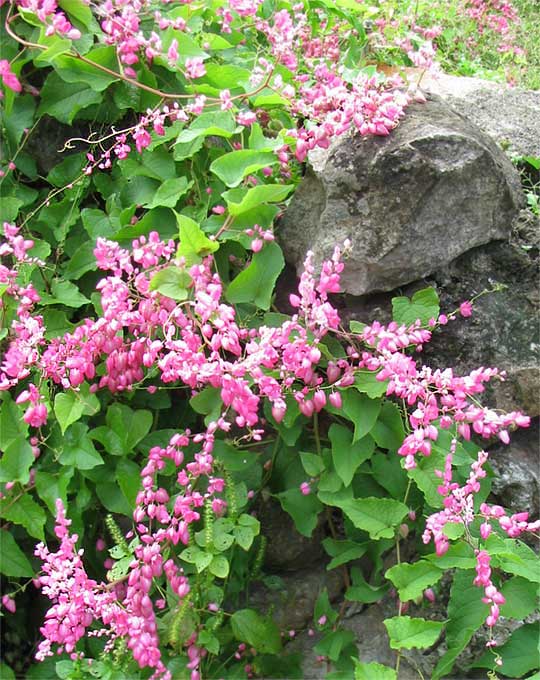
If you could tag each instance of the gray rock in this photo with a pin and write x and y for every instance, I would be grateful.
(287, 550)
(511, 116)
(293, 599)
(503, 330)
(516, 484)
(410, 203)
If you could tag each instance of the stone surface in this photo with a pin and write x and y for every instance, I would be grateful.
(293, 599)
(516, 484)
(287, 550)
(509, 115)
(503, 330)
(410, 203)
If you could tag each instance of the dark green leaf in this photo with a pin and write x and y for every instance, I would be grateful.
(78, 449)
(521, 598)
(408, 633)
(378, 516)
(64, 100)
(256, 282)
(13, 562)
(303, 509)
(173, 282)
(194, 244)
(423, 305)
(412, 579)
(169, 193)
(130, 426)
(373, 671)
(362, 411)
(26, 512)
(262, 633)
(346, 454)
(388, 432)
(231, 168)
(241, 200)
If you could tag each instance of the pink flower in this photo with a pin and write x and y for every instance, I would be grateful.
(8, 77)
(195, 69)
(465, 308)
(9, 604)
(305, 488)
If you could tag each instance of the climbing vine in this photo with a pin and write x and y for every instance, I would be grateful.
(153, 394)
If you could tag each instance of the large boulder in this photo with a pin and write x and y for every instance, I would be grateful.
(410, 203)
(509, 115)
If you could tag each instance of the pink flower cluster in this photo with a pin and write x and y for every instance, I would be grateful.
(55, 20)
(27, 331)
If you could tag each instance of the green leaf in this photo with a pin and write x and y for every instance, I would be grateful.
(128, 476)
(458, 556)
(219, 566)
(63, 100)
(312, 463)
(110, 494)
(5, 672)
(366, 381)
(130, 426)
(343, 551)
(194, 244)
(231, 168)
(362, 591)
(67, 170)
(303, 509)
(12, 426)
(17, 459)
(262, 633)
(256, 282)
(78, 449)
(26, 512)
(208, 641)
(50, 487)
(173, 282)
(333, 643)
(169, 193)
(9, 209)
(83, 260)
(388, 432)
(97, 223)
(241, 200)
(324, 608)
(244, 536)
(79, 11)
(222, 541)
(423, 305)
(346, 454)
(64, 293)
(362, 411)
(21, 118)
(521, 598)
(13, 562)
(520, 653)
(68, 408)
(426, 480)
(514, 557)
(215, 124)
(373, 671)
(73, 70)
(56, 47)
(378, 516)
(412, 579)
(408, 633)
